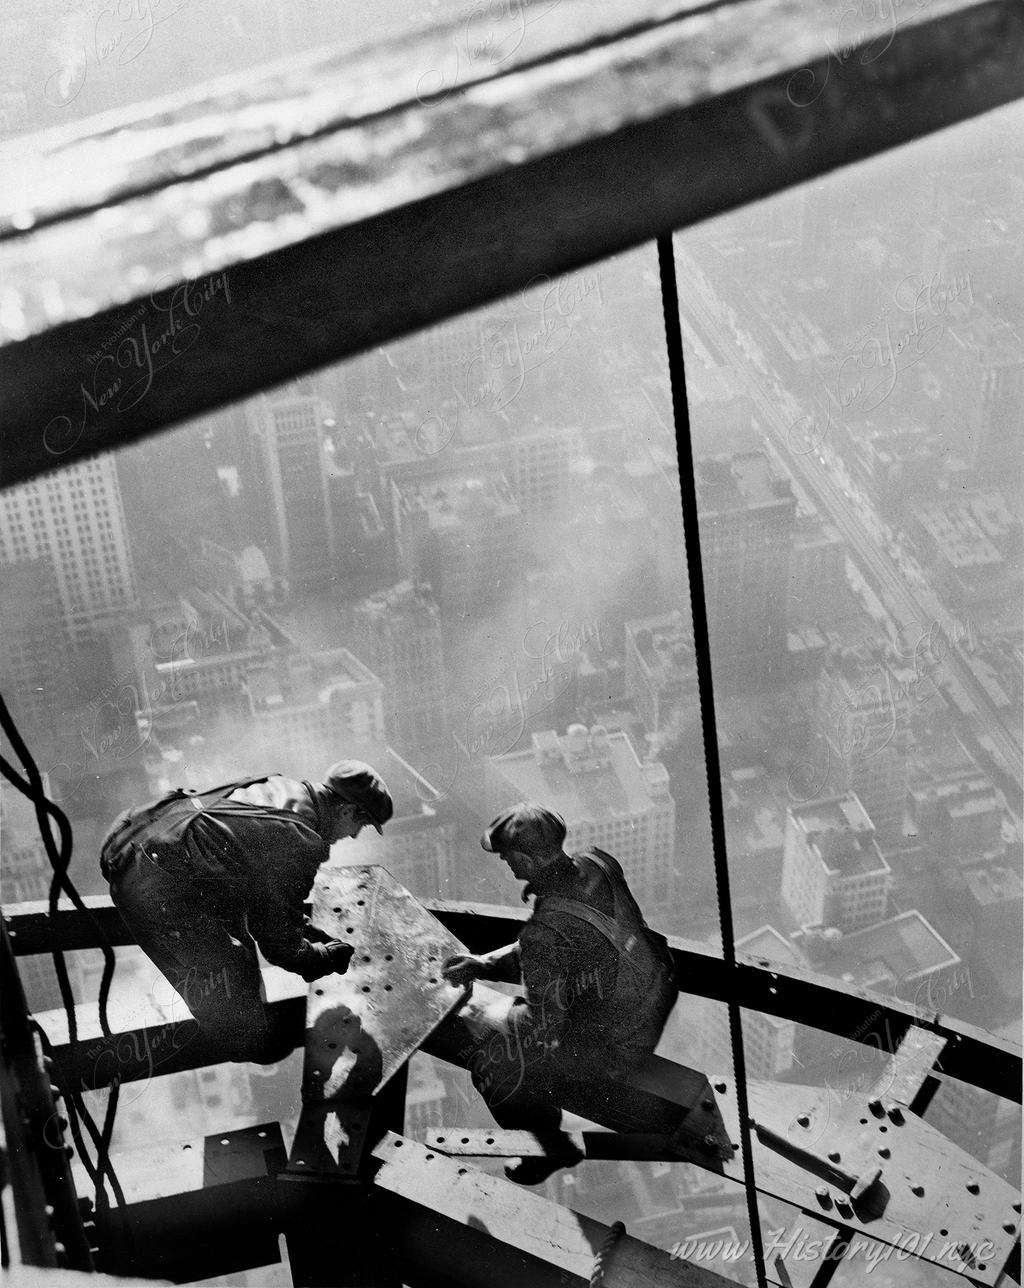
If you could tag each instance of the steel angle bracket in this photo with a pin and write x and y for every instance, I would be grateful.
(888, 1177)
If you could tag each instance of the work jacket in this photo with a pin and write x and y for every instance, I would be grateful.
(599, 983)
(244, 854)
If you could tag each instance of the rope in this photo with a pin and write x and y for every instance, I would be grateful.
(614, 1234)
(702, 649)
(31, 786)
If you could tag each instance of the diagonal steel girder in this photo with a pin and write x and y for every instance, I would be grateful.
(181, 284)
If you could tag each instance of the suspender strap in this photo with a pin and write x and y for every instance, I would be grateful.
(625, 907)
(622, 940)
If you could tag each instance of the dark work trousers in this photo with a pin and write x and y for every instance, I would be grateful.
(199, 941)
(519, 1065)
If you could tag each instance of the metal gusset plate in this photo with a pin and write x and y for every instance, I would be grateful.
(362, 1026)
(930, 1199)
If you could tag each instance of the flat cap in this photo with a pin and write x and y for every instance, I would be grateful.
(524, 826)
(358, 783)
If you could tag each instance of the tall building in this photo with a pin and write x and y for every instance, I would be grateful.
(398, 633)
(538, 464)
(747, 514)
(292, 430)
(596, 781)
(967, 1115)
(767, 1039)
(960, 816)
(833, 873)
(75, 519)
(864, 702)
(462, 534)
(971, 544)
(986, 360)
(199, 649)
(314, 706)
(661, 671)
(992, 898)
(817, 569)
(27, 876)
(904, 956)
(34, 654)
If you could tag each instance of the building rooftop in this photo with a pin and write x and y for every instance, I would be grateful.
(767, 944)
(304, 679)
(742, 482)
(662, 642)
(406, 599)
(991, 340)
(449, 500)
(839, 831)
(994, 885)
(584, 775)
(841, 813)
(893, 952)
(957, 534)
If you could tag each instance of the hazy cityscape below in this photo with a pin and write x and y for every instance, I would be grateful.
(461, 558)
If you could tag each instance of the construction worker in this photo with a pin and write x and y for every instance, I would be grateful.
(599, 985)
(201, 879)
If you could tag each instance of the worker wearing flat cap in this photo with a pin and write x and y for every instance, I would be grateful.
(598, 984)
(202, 878)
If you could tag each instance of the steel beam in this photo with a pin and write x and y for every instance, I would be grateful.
(484, 1142)
(971, 1054)
(195, 1208)
(185, 291)
(33, 1158)
(453, 1224)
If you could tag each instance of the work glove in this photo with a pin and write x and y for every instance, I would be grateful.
(464, 968)
(314, 934)
(339, 955)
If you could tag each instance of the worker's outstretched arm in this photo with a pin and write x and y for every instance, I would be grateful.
(501, 965)
(279, 882)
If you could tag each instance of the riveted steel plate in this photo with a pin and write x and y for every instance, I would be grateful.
(938, 1199)
(362, 1026)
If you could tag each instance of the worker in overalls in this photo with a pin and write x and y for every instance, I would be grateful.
(598, 985)
(202, 879)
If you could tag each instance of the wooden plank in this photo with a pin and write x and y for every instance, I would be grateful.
(483, 1230)
(333, 245)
